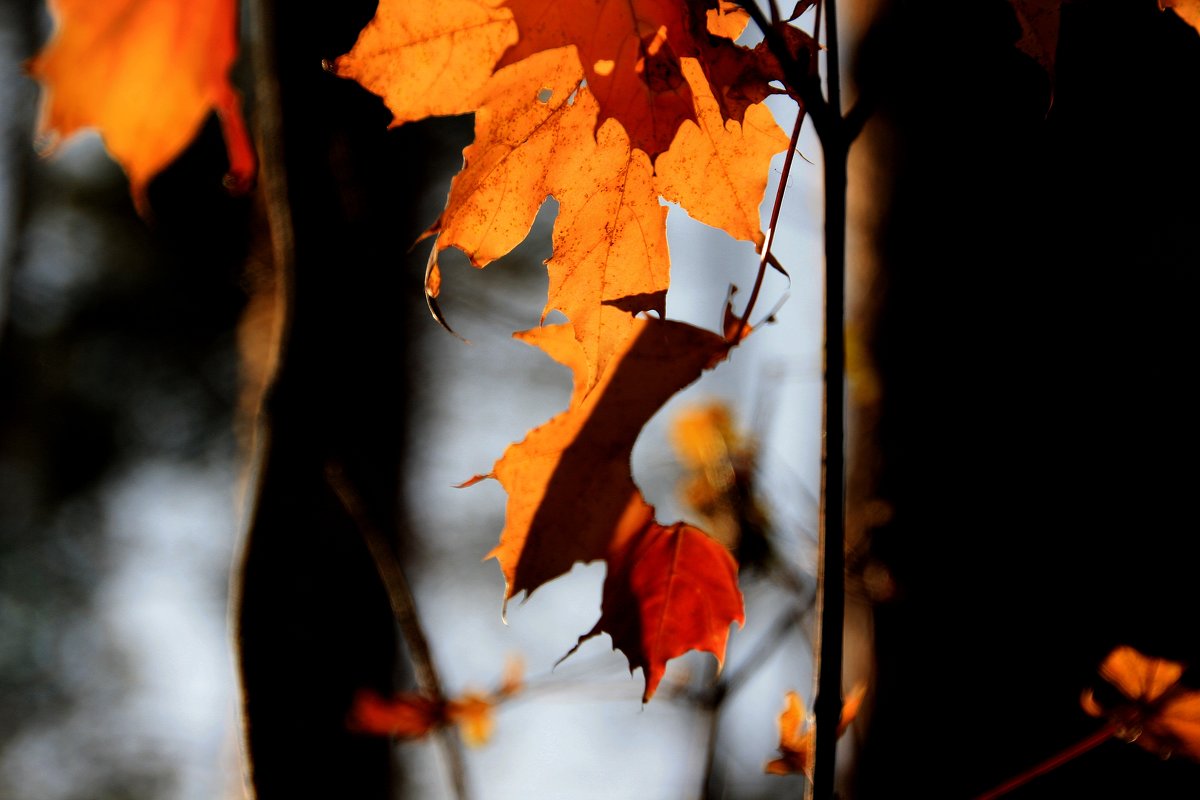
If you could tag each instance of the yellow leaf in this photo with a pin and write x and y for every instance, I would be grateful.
(717, 169)
(428, 61)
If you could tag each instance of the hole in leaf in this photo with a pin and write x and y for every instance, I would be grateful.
(544, 94)
(604, 66)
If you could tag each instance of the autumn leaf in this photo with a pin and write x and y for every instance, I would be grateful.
(609, 108)
(534, 138)
(555, 119)
(796, 734)
(406, 716)
(1188, 10)
(629, 52)
(428, 59)
(728, 19)
(668, 590)
(1155, 709)
(717, 169)
(571, 494)
(412, 715)
(571, 498)
(147, 74)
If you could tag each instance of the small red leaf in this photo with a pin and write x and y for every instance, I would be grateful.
(669, 590)
(407, 716)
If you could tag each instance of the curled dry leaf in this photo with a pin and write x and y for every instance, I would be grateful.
(146, 74)
(1154, 708)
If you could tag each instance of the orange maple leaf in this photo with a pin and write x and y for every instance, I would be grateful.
(610, 245)
(1188, 10)
(571, 498)
(578, 109)
(429, 59)
(1156, 710)
(146, 73)
(796, 741)
(714, 167)
(571, 494)
(630, 54)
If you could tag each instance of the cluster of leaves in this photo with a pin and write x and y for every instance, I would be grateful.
(1151, 705)
(607, 108)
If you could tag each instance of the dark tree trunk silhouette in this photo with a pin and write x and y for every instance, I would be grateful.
(314, 620)
(1037, 435)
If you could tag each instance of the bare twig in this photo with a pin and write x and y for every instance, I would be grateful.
(404, 608)
(1055, 761)
(835, 136)
(766, 257)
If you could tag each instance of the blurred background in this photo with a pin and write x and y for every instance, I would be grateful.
(124, 519)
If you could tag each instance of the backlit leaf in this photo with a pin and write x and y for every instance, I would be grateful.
(146, 74)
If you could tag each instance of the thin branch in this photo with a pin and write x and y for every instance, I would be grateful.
(404, 608)
(1055, 761)
(800, 78)
(766, 257)
(831, 570)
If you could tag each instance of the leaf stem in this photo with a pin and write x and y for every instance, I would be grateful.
(1055, 761)
(765, 258)
(404, 607)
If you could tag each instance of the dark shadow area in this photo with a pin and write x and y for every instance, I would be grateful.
(1035, 336)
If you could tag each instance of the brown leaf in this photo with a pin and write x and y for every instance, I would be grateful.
(1039, 30)
(147, 74)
